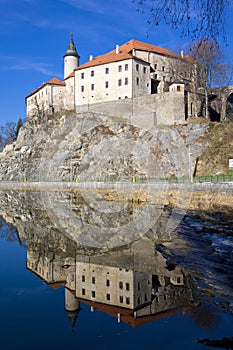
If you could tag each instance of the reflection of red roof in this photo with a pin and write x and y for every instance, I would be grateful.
(127, 315)
(56, 285)
(53, 81)
(126, 52)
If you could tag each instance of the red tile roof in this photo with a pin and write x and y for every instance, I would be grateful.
(126, 52)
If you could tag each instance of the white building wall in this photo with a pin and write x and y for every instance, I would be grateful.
(107, 82)
(69, 94)
(105, 284)
(70, 63)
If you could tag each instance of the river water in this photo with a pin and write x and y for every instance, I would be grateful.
(84, 272)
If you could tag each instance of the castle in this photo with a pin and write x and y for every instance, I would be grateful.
(134, 73)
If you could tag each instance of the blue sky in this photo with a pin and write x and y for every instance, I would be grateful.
(35, 34)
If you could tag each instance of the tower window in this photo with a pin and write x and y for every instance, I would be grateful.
(108, 296)
(107, 70)
(137, 67)
(126, 81)
(121, 285)
(83, 278)
(119, 82)
(137, 80)
(163, 68)
(144, 70)
(121, 299)
(82, 75)
(127, 300)
(92, 87)
(127, 286)
(106, 84)
(119, 68)
(107, 283)
(126, 66)
(92, 73)
(93, 280)
(93, 294)
(82, 88)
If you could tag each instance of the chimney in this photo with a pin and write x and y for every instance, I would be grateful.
(117, 49)
(182, 53)
(91, 58)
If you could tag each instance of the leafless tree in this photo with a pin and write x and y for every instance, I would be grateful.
(193, 18)
(211, 57)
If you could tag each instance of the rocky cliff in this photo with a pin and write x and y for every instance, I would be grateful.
(94, 146)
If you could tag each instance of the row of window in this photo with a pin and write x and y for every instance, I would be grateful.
(120, 69)
(126, 82)
(108, 296)
(108, 283)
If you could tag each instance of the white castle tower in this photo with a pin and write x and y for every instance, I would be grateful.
(71, 58)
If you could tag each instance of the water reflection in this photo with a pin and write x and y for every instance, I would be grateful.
(135, 281)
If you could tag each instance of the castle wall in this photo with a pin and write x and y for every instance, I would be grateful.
(144, 111)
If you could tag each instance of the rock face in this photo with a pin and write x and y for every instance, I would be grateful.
(91, 146)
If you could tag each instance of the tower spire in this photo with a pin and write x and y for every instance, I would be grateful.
(71, 57)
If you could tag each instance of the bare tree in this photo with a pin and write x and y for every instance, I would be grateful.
(193, 18)
(218, 70)
(7, 134)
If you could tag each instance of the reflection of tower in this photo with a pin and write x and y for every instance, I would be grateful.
(71, 58)
(72, 307)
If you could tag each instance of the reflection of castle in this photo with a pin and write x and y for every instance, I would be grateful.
(115, 283)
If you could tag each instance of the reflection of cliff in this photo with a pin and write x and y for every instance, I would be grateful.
(130, 282)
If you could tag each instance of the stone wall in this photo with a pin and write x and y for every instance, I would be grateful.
(144, 111)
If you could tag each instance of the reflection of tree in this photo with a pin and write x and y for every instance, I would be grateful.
(8, 232)
(204, 316)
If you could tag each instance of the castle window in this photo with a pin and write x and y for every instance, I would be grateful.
(107, 70)
(127, 300)
(137, 80)
(156, 76)
(92, 73)
(106, 84)
(108, 296)
(127, 286)
(119, 68)
(83, 291)
(163, 68)
(93, 294)
(126, 67)
(155, 66)
(82, 88)
(93, 280)
(144, 70)
(137, 67)
(178, 88)
(83, 278)
(92, 87)
(107, 283)
(121, 285)
(82, 75)
(119, 82)
(121, 299)
(126, 81)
